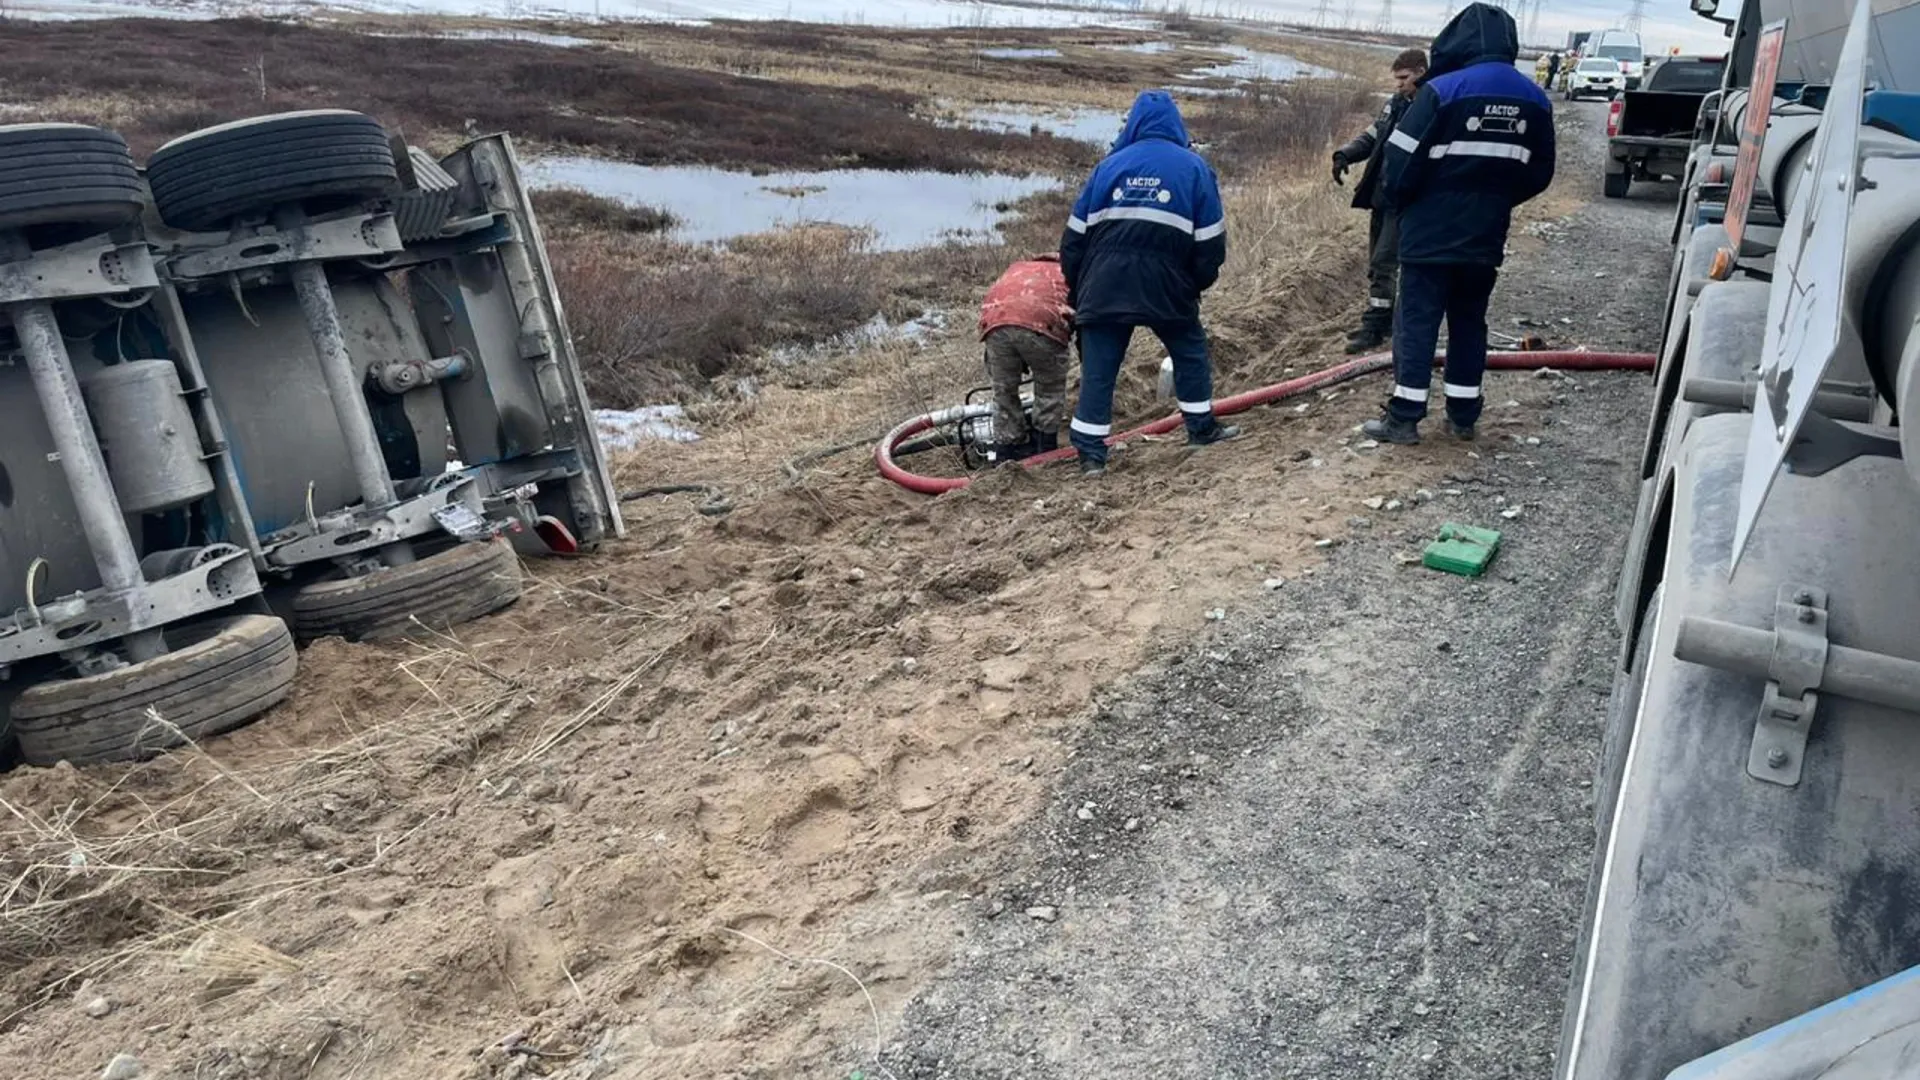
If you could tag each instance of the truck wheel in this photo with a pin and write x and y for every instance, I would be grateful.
(455, 586)
(1617, 184)
(66, 174)
(222, 672)
(322, 160)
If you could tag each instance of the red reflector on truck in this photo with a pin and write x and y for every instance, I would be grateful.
(1613, 117)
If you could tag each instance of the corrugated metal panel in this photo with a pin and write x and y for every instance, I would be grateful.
(422, 211)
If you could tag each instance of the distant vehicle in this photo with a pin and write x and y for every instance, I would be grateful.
(1650, 131)
(1577, 40)
(1595, 77)
(1623, 47)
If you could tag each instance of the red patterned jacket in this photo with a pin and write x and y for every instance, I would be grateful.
(1032, 294)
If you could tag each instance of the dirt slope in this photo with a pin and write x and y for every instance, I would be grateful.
(1347, 834)
(812, 725)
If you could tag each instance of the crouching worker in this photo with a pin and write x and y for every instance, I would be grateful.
(1476, 142)
(1027, 326)
(1147, 237)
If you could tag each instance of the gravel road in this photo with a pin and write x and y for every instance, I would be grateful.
(1347, 835)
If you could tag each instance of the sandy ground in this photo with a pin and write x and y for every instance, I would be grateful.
(730, 798)
(1345, 832)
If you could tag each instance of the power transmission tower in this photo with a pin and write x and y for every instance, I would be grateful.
(1637, 15)
(1347, 23)
(1383, 23)
(1323, 14)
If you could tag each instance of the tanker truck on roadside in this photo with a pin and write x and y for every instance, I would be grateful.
(1753, 911)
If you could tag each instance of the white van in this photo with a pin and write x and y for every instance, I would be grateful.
(1623, 47)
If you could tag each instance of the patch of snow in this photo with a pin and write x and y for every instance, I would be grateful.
(624, 429)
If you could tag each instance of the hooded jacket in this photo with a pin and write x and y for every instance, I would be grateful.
(1476, 142)
(1148, 233)
(1031, 295)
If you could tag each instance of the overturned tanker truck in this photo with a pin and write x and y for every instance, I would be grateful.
(1754, 906)
(293, 378)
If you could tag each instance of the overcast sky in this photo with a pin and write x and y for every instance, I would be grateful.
(1668, 22)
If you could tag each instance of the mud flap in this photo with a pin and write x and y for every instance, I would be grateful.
(1722, 905)
(522, 417)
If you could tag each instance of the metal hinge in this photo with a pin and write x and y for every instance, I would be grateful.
(1791, 699)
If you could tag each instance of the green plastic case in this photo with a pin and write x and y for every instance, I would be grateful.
(1462, 549)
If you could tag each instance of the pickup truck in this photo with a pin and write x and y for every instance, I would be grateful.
(1650, 131)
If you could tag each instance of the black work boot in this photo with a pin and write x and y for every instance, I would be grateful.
(1365, 340)
(1218, 433)
(1092, 466)
(1000, 453)
(1463, 432)
(1046, 442)
(1390, 429)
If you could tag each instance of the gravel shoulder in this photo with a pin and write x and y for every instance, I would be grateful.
(1346, 833)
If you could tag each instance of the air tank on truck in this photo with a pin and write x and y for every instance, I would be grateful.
(1753, 911)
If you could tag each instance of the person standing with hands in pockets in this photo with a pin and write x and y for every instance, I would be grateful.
(1147, 237)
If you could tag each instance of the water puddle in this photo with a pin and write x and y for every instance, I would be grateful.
(1145, 48)
(902, 210)
(1020, 54)
(920, 14)
(1096, 126)
(1252, 64)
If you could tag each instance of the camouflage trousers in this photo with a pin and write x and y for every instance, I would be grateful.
(1014, 352)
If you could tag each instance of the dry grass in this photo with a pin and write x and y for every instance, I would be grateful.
(1274, 122)
(661, 321)
(155, 79)
(655, 320)
(572, 208)
(98, 872)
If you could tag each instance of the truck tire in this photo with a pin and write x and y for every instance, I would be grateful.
(1617, 184)
(68, 175)
(455, 586)
(223, 672)
(322, 160)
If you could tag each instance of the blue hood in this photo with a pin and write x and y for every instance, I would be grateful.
(1154, 116)
(1480, 34)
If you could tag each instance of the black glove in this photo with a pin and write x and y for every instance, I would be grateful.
(1340, 167)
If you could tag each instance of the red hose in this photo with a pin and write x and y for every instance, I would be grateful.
(1266, 395)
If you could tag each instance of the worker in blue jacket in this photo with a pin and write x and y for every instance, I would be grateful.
(1476, 142)
(1147, 237)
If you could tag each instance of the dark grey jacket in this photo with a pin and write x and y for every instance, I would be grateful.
(1370, 146)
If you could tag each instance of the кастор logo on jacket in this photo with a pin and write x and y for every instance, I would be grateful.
(1142, 189)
